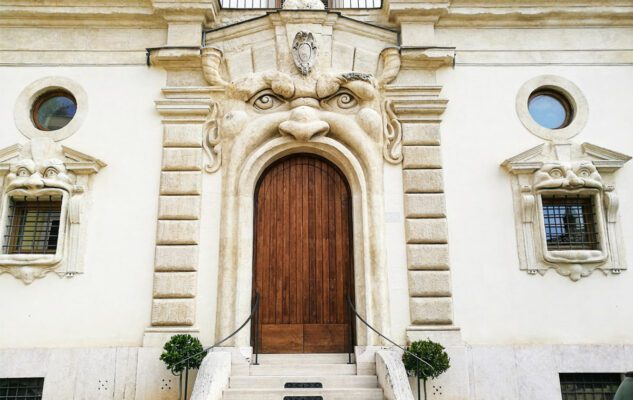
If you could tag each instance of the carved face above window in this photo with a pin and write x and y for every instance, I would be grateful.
(566, 206)
(42, 188)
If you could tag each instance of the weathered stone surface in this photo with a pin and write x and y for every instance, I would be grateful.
(428, 256)
(182, 159)
(174, 284)
(427, 205)
(420, 134)
(176, 258)
(180, 183)
(392, 376)
(431, 310)
(173, 312)
(426, 230)
(177, 232)
(182, 135)
(429, 283)
(422, 157)
(213, 376)
(423, 181)
(179, 207)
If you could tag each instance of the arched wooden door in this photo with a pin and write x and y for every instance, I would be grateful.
(302, 267)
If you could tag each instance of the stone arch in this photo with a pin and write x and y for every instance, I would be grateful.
(364, 174)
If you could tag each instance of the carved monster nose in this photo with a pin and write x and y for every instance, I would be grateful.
(574, 180)
(304, 123)
(34, 181)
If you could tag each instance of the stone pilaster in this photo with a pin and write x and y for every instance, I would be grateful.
(184, 112)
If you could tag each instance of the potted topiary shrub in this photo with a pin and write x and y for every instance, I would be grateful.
(181, 353)
(436, 361)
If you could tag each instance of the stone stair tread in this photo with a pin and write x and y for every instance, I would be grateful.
(329, 382)
(327, 394)
(302, 369)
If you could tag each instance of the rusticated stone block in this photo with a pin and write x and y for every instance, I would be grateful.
(174, 284)
(431, 310)
(424, 205)
(173, 312)
(429, 283)
(420, 134)
(182, 159)
(423, 180)
(177, 232)
(176, 258)
(182, 135)
(427, 256)
(179, 207)
(426, 230)
(180, 183)
(422, 157)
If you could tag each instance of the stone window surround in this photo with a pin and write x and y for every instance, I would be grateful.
(28, 96)
(18, 259)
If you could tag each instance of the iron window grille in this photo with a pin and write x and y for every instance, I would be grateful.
(589, 386)
(274, 4)
(570, 222)
(21, 388)
(32, 225)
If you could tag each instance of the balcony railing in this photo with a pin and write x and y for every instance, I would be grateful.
(273, 4)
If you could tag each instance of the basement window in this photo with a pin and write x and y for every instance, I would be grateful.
(32, 225)
(570, 222)
(21, 388)
(589, 386)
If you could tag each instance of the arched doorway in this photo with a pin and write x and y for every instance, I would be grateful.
(302, 266)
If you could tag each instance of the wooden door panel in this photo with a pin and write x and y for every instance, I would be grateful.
(325, 338)
(282, 338)
(302, 257)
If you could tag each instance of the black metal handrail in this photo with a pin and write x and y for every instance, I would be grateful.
(418, 359)
(254, 309)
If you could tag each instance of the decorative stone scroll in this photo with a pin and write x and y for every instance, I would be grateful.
(44, 168)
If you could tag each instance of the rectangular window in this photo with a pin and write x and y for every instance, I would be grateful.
(570, 222)
(32, 225)
(21, 388)
(589, 386)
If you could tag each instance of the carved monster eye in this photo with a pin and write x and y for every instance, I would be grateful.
(584, 173)
(23, 172)
(267, 101)
(343, 100)
(50, 172)
(556, 173)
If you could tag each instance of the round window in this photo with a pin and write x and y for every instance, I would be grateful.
(53, 110)
(550, 109)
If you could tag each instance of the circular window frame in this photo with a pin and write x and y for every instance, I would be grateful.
(558, 86)
(23, 111)
(44, 97)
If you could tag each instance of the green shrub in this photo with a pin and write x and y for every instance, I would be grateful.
(431, 352)
(178, 349)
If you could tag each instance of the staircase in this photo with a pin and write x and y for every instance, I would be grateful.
(303, 377)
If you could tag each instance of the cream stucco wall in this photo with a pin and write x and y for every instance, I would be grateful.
(495, 303)
(109, 305)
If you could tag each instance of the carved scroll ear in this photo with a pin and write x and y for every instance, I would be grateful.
(390, 58)
(211, 61)
(211, 144)
(392, 148)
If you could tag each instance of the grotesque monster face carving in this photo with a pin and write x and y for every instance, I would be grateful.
(32, 176)
(577, 175)
(341, 106)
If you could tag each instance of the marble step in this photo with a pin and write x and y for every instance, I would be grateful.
(313, 358)
(302, 369)
(278, 382)
(326, 394)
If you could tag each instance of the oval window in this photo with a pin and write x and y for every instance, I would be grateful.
(550, 109)
(54, 110)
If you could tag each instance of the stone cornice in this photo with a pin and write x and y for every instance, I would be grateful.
(416, 103)
(175, 57)
(427, 57)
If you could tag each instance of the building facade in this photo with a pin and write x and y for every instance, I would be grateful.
(457, 168)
